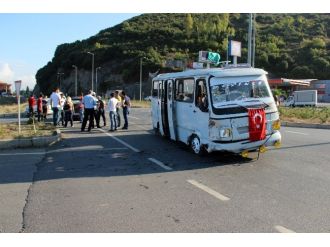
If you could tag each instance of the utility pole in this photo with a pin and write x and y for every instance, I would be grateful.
(92, 68)
(254, 40)
(76, 78)
(250, 40)
(96, 79)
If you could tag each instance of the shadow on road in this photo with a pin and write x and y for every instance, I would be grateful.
(84, 155)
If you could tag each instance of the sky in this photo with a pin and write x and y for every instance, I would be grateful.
(32, 29)
(28, 41)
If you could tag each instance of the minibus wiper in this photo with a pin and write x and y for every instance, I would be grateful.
(266, 105)
(245, 107)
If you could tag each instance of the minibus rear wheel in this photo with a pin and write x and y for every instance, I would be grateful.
(196, 146)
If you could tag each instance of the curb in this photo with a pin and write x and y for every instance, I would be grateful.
(42, 141)
(304, 125)
(12, 115)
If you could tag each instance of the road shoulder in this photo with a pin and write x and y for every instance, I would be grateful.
(16, 176)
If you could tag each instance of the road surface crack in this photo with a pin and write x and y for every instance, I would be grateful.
(27, 199)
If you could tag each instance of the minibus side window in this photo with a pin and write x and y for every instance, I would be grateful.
(201, 100)
(160, 90)
(155, 89)
(184, 90)
(169, 93)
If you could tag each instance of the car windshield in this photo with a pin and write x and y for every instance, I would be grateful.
(239, 91)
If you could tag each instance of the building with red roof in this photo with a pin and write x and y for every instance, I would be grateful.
(5, 87)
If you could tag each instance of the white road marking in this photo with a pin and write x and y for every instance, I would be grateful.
(121, 141)
(282, 229)
(161, 164)
(294, 132)
(84, 148)
(209, 190)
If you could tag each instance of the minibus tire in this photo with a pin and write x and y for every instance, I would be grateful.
(195, 146)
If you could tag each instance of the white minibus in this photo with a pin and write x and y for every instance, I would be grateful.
(217, 109)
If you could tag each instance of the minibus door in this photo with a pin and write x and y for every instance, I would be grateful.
(160, 116)
(170, 109)
(201, 109)
(164, 114)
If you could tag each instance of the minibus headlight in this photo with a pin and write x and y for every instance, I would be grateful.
(225, 132)
(276, 124)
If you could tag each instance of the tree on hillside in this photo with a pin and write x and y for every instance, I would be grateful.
(189, 25)
(302, 72)
(287, 45)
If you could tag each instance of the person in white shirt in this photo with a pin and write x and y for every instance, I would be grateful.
(89, 105)
(113, 102)
(61, 112)
(55, 99)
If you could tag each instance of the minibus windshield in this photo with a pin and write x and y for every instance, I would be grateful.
(239, 91)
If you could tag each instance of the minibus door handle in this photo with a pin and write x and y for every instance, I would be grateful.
(194, 111)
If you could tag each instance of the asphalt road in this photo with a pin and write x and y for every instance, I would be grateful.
(134, 181)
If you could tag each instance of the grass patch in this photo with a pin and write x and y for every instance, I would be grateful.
(12, 108)
(140, 104)
(10, 130)
(305, 114)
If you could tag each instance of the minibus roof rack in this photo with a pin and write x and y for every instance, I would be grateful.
(239, 65)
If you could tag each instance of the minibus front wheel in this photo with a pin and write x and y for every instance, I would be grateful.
(196, 146)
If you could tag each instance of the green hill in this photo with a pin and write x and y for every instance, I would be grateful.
(287, 45)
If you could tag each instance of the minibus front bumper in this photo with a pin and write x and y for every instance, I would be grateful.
(237, 147)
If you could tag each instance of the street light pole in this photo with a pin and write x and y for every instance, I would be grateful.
(254, 40)
(96, 79)
(76, 78)
(92, 68)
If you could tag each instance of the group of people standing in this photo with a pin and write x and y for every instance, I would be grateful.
(62, 108)
(41, 107)
(116, 102)
(91, 108)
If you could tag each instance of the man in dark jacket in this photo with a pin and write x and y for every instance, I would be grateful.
(100, 112)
